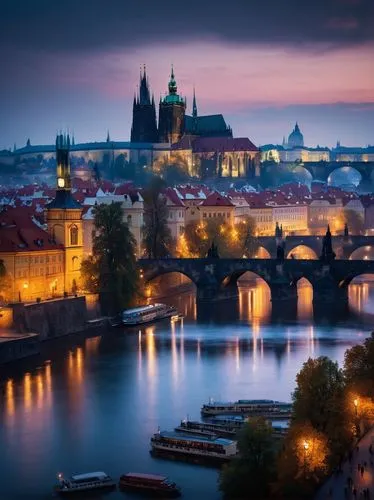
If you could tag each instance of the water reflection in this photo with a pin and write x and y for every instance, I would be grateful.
(104, 398)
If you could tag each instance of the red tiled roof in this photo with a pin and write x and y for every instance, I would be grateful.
(173, 197)
(19, 233)
(212, 144)
(222, 144)
(216, 200)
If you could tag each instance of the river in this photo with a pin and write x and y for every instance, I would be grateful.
(93, 404)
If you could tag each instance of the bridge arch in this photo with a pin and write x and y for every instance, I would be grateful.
(156, 273)
(302, 252)
(344, 176)
(261, 253)
(231, 278)
(305, 293)
(365, 252)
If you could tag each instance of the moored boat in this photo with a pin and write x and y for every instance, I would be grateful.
(207, 429)
(147, 314)
(193, 447)
(80, 483)
(263, 407)
(151, 484)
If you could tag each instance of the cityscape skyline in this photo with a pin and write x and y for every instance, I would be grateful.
(264, 66)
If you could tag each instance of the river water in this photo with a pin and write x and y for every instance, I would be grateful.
(93, 404)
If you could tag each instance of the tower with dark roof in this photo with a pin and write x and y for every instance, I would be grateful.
(144, 125)
(64, 218)
(171, 114)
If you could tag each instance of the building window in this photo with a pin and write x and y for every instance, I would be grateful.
(73, 235)
(129, 220)
(75, 263)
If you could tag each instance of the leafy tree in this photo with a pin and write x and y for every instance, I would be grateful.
(156, 232)
(249, 475)
(174, 174)
(359, 367)
(303, 462)
(90, 275)
(320, 398)
(96, 172)
(112, 270)
(5, 281)
(354, 221)
(233, 240)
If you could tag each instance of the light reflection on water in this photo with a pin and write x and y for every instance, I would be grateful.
(95, 405)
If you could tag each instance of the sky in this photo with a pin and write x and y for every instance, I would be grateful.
(264, 64)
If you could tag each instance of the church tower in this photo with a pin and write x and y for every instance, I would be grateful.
(64, 217)
(144, 124)
(171, 114)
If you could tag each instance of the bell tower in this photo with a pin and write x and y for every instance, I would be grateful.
(171, 114)
(64, 218)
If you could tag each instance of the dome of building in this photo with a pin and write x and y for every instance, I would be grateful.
(296, 138)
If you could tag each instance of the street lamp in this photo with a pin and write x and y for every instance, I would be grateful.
(306, 447)
(355, 402)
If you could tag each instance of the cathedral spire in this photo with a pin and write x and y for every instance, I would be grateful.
(194, 106)
(108, 137)
(172, 83)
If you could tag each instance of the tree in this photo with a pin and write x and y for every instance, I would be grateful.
(174, 174)
(249, 475)
(112, 270)
(354, 221)
(90, 275)
(233, 240)
(320, 398)
(5, 281)
(156, 232)
(359, 367)
(303, 461)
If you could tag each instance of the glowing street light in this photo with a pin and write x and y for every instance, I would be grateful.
(306, 448)
(355, 402)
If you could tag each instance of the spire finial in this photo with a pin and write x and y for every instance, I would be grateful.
(194, 106)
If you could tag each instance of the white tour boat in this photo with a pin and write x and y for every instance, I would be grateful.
(263, 407)
(197, 447)
(79, 483)
(147, 314)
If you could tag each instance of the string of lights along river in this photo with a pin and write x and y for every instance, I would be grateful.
(93, 404)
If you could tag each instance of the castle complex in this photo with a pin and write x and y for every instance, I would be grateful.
(173, 123)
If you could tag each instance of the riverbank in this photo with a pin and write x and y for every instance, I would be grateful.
(26, 325)
(15, 346)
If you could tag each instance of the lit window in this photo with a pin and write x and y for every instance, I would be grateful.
(73, 235)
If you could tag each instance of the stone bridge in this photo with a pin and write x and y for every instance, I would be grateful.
(217, 278)
(344, 246)
(322, 170)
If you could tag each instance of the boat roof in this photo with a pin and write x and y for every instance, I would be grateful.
(142, 308)
(246, 401)
(88, 475)
(140, 475)
(192, 437)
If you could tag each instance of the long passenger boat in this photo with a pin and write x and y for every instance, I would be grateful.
(255, 407)
(151, 484)
(197, 448)
(80, 483)
(223, 427)
(207, 429)
(147, 314)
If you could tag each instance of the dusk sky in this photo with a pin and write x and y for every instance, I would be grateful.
(74, 64)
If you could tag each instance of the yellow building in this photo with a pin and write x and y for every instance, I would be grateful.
(42, 264)
(34, 263)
